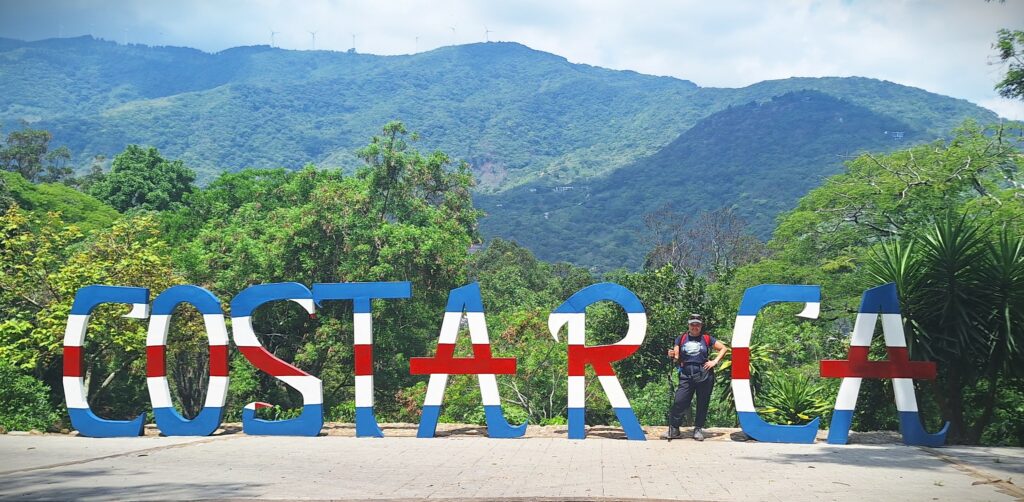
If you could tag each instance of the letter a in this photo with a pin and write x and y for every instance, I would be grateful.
(482, 364)
(880, 301)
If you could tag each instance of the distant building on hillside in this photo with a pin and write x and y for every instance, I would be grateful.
(896, 135)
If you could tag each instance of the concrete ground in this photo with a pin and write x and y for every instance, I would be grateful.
(463, 465)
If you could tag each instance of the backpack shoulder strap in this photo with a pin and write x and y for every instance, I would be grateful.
(707, 341)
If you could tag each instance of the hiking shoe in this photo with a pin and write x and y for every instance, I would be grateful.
(672, 433)
(698, 434)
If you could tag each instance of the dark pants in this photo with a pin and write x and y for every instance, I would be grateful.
(684, 396)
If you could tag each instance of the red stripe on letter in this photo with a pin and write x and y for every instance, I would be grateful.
(72, 361)
(269, 363)
(155, 363)
(364, 359)
(600, 357)
(741, 362)
(219, 360)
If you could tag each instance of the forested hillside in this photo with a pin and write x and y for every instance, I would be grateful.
(757, 158)
(515, 114)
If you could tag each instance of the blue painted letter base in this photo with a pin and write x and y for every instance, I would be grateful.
(308, 423)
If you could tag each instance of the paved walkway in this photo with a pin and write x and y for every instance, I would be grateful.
(461, 467)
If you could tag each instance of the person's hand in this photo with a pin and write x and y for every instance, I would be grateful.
(672, 352)
(710, 364)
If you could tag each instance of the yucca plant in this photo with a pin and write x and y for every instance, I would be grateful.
(793, 399)
(962, 298)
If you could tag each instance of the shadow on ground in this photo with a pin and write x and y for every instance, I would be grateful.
(43, 485)
(888, 456)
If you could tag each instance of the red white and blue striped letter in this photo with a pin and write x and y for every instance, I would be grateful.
(243, 305)
(573, 314)
(880, 301)
(362, 319)
(754, 299)
(170, 422)
(86, 299)
(465, 299)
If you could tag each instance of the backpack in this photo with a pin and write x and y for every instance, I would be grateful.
(679, 368)
(707, 343)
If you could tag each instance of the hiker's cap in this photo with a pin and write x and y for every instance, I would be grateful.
(696, 319)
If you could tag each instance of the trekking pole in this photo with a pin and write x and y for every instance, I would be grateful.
(671, 399)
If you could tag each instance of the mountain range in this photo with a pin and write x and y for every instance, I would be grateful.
(568, 156)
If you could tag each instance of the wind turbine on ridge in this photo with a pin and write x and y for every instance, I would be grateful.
(313, 33)
(487, 34)
(272, 35)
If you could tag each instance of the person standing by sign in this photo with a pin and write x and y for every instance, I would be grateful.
(691, 353)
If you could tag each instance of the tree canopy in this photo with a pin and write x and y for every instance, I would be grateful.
(141, 178)
(1010, 45)
(27, 152)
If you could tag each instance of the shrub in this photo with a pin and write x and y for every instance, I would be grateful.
(794, 400)
(25, 403)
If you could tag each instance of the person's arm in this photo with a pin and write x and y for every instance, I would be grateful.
(721, 348)
(674, 353)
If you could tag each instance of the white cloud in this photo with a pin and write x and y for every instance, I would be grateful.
(941, 46)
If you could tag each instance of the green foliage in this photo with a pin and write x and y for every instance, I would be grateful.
(882, 196)
(754, 160)
(1007, 426)
(959, 280)
(523, 119)
(26, 403)
(43, 263)
(27, 152)
(74, 207)
(963, 295)
(652, 402)
(32, 251)
(794, 399)
(669, 297)
(406, 215)
(403, 216)
(1010, 45)
(141, 178)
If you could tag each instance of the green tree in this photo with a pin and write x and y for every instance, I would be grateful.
(403, 216)
(1010, 44)
(963, 299)
(831, 234)
(74, 207)
(43, 262)
(140, 177)
(881, 196)
(28, 153)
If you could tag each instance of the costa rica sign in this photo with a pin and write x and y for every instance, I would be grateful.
(466, 303)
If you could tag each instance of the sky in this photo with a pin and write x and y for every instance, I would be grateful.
(943, 46)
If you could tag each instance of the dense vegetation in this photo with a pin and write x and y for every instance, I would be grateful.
(527, 122)
(406, 215)
(742, 158)
(515, 114)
